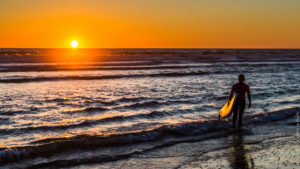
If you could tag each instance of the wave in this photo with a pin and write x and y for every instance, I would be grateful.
(151, 66)
(50, 146)
(153, 103)
(91, 109)
(152, 55)
(58, 78)
(26, 110)
(185, 71)
(5, 121)
(131, 99)
(89, 123)
(15, 112)
(135, 104)
(89, 68)
(143, 105)
(87, 110)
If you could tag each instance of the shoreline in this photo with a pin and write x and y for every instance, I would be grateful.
(271, 145)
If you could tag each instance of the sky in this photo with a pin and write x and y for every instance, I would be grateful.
(150, 23)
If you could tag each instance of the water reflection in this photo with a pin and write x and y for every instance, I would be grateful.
(239, 157)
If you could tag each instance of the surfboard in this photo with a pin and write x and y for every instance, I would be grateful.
(227, 109)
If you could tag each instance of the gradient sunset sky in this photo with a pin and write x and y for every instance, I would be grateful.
(150, 23)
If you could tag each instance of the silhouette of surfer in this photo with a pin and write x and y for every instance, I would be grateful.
(241, 89)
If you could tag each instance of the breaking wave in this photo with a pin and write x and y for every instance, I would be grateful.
(51, 146)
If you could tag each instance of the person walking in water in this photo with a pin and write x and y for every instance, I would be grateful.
(241, 89)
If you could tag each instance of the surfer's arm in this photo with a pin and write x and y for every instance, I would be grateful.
(249, 97)
(231, 94)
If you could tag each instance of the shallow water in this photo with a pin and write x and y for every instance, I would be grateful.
(51, 110)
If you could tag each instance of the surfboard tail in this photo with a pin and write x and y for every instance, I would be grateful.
(227, 109)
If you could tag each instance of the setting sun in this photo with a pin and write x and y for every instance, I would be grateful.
(74, 44)
(149, 84)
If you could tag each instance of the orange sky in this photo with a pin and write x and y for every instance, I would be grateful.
(150, 23)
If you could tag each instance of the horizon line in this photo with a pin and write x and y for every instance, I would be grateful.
(139, 48)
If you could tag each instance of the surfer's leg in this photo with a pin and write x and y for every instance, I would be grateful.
(235, 113)
(241, 112)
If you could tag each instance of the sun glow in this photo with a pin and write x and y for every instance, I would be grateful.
(74, 44)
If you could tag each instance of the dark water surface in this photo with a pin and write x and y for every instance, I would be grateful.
(61, 104)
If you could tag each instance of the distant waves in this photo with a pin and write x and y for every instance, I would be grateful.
(154, 55)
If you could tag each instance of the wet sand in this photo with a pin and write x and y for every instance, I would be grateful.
(244, 153)
(270, 145)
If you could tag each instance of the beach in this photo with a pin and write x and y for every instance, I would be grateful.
(142, 84)
(147, 108)
(270, 145)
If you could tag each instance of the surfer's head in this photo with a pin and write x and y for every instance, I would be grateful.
(241, 78)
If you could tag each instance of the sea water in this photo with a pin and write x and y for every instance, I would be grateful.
(65, 107)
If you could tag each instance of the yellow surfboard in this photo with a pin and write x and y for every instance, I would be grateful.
(227, 108)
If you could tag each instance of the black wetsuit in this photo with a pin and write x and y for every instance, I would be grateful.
(241, 89)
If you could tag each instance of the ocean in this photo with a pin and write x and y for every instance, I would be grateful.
(71, 107)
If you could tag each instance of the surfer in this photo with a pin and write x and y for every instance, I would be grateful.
(241, 89)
